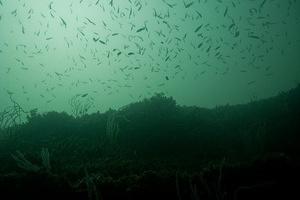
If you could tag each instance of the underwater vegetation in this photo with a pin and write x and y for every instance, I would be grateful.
(156, 149)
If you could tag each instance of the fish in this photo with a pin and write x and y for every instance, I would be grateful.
(104, 24)
(23, 30)
(187, 5)
(198, 13)
(226, 11)
(63, 21)
(251, 82)
(156, 15)
(254, 37)
(200, 45)
(96, 39)
(90, 21)
(58, 74)
(14, 13)
(198, 28)
(142, 29)
(168, 4)
(80, 31)
(208, 49)
(111, 3)
(231, 26)
(102, 42)
(9, 92)
(167, 58)
(262, 4)
(49, 101)
(50, 5)
(236, 34)
(84, 95)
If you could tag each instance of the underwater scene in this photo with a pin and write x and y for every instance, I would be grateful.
(150, 99)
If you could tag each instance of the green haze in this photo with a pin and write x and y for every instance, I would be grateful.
(201, 52)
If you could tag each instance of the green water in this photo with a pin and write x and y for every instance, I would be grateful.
(204, 95)
(207, 53)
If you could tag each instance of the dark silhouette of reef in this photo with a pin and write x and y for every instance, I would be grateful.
(155, 149)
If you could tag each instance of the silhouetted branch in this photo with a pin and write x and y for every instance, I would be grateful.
(112, 126)
(80, 106)
(11, 116)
